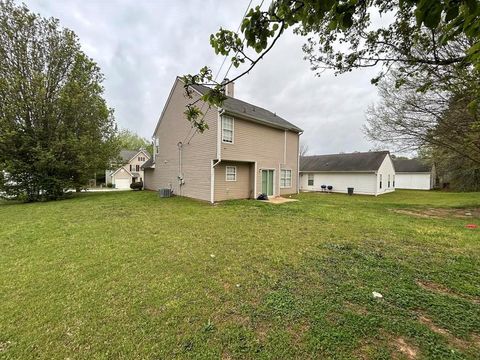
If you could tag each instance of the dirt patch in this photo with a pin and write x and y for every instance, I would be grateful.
(451, 339)
(278, 200)
(356, 309)
(441, 213)
(298, 331)
(443, 290)
(408, 350)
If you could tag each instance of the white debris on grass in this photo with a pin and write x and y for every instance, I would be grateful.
(377, 295)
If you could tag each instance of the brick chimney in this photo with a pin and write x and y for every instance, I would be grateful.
(229, 88)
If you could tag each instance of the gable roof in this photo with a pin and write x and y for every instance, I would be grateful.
(411, 165)
(148, 164)
(351, 162)
(120, 168)
(127, 155)
(245, 110)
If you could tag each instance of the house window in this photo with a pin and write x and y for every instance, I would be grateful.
(286, 178)
(137, 167)
(380, 181)
(393, 180)
(231, 173)
(310, 180)
(388, 180)
(130, 167)
(227, 129)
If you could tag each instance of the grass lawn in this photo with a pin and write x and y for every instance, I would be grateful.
(129, 275)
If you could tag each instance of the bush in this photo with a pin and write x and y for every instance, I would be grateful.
(110, 185)
(136, 185)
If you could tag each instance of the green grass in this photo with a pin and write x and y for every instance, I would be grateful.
(129, 275)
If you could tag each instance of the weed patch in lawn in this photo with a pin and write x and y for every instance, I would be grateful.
(441, 213)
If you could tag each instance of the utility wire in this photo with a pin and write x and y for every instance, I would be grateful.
(238, 29)
(231, 63)
(218, 73)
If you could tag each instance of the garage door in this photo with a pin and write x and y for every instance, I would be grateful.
(122, 183)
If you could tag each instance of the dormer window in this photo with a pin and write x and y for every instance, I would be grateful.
(227, 129)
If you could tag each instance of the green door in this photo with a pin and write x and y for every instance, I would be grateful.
(267, 182)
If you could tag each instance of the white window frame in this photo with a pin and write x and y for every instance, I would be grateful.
(284, 178)
(227, 168)
(232, 129)
(312, 178)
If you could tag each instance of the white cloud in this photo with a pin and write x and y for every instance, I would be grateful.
(142, 45)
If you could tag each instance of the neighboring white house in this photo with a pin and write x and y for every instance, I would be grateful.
(130, 171)
(413, 174)
(368, 173)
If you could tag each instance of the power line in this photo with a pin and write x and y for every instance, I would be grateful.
(238, 29)
(231, 63)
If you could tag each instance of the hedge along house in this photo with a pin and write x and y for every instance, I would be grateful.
(414, 174)
(246, 150)
(369, 173)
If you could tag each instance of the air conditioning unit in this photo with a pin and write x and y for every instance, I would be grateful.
(164, 193)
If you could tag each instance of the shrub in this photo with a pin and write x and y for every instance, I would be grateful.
(136, 185)
(110, 185)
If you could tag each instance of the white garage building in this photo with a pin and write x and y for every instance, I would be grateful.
(413, 174)
(368, 173)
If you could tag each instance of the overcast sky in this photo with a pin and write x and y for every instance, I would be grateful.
(142, 45)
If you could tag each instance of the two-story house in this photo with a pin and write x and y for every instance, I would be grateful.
(129, 170)
(245, 151)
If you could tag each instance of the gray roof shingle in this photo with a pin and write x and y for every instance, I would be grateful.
(126, 155)
(351, 162)
(411, 165)
(252, 112)
(148, 164)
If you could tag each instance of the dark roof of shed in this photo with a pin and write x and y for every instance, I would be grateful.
(252, 112)
(351, 162)
(411, 165)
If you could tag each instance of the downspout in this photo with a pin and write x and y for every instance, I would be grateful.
(180, 173)
(219, 155)
(298, 162)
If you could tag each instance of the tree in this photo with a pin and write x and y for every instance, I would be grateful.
(130, 140)
(410, 120)
(303, 149)
(55, 127)
(342, 37)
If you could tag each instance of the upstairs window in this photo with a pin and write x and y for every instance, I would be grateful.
(393, 180)
(137, 167)
(286, 179)
(231, 173)
(380, 181)
(388, 180)
(227, 129)
(310, 180)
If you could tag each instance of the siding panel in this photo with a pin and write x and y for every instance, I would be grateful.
(196, 154)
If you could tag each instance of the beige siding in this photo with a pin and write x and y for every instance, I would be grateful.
(242, 188)
(271, 148)
(134, 162)
(122, 174)
(196, 154)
